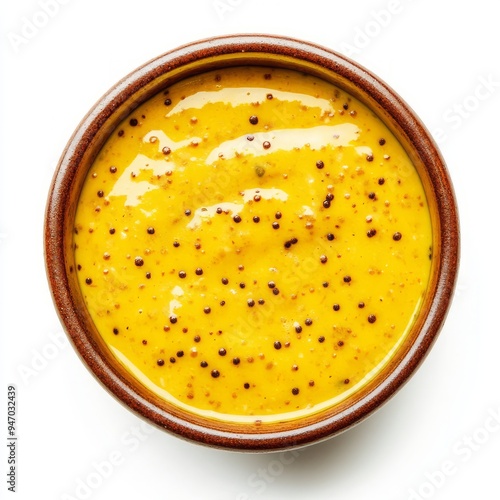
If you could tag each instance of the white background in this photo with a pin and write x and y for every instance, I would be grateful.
(76, 441)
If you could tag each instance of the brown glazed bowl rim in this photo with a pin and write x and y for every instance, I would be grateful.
(147, 80)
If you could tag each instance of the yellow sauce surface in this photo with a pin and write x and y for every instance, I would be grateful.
(253, 244)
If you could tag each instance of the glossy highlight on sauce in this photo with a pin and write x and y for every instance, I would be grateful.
(253, 244)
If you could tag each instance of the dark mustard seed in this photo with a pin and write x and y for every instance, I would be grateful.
(172, 359)
(295, 391)
(253, 120)
(325, 284)
(215, 373)
(144, 342)
(361, 305)
(371, 195)
(160, 362)
(397, 236)
(340, 343)
(271, 284)
(381, 181)
(308, 321)
(139, 261)
(347, 279)
(236, 361)
(321, 339)
(372, 318)
(326, 204)
(256, 219)
(222, 302)
(151, 230)
(224, 281)
(88, 281)
(266, 144)
(275, 225)
(298, 329)
(381, 141)
(203, 364)
(197, 338)
(167, 102)
(115, 331)
(277, 345)
(346, 381)
(269, 96)
(237, 219)
(199, 271)
(179, 354)
(121, 133)
(323, 259)
(207, 310)
(166, 150)
(276, 291)
(250, 137)
(173, 319)
(246, 385)
(182, 274)
(257, 197)
(330, 196)
(369, 157)
(148, 275)
(278, 215)
(330, 237)
(242, 285)
(262, 302)
(336, 307)
(371, 233)
(187, 212)
(250, 302)
(133, 122)
(222, 351)
(112, 230)
(113, 169)
(320, 164)
(100, 193)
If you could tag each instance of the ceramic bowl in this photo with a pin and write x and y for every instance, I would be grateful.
(147, 81)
